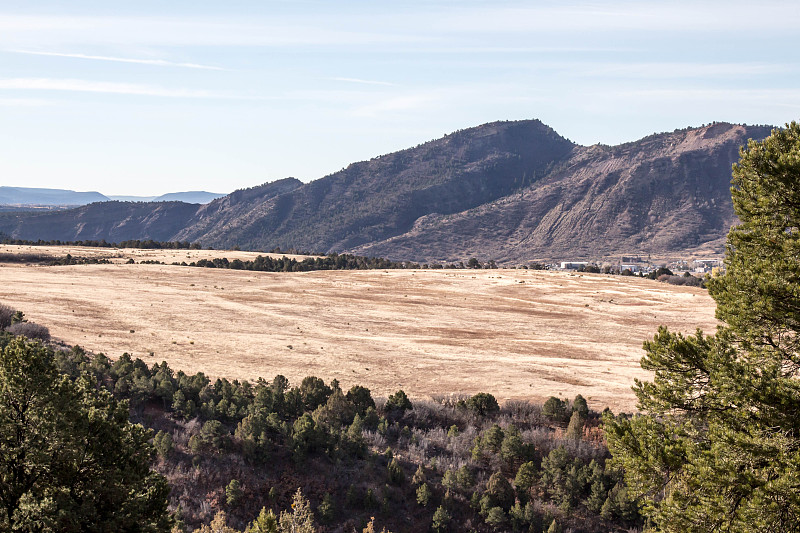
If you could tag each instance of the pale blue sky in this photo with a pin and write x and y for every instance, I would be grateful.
(150, 97)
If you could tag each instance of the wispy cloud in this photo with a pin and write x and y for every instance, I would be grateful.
(365, 82)
(404, 103)
(24, 102)
(26, 31)
(156, 62)
(89, 86)
(674, 70)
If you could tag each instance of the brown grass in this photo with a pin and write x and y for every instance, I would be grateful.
(514, 333)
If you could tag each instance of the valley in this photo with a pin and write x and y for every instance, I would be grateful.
(519, 334)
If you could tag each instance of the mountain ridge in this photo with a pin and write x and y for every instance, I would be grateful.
(510, 191)
(36, 196)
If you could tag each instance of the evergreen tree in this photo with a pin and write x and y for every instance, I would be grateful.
(300, 519)
(265, 522)
(575, 427)
(441, 520)
(717, 447)
(70, 460)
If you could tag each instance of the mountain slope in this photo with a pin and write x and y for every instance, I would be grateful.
(377, 199)
(668, 193)
(509, 191)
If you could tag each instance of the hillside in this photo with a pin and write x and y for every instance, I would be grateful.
(664, 194)
(509, 191)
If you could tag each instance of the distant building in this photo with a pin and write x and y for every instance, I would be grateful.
(633, 268)
(573, 265)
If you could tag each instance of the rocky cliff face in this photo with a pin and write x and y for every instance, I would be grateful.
(509, 191)
(664, 194)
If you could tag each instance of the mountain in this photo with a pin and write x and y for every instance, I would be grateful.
(129, 198)
(665, 194)
(509, 191)
(57, 197)
(190, 197)
(29, 196)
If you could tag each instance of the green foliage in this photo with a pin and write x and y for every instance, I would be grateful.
(69, 458)
(525, 479)
(555, 527)
(513, 451)
(419, 476)
(441, 520)
(218, 525)
(499, 490)
(563, 478)
(716, 448)
(496, 518)
(395, 472)
(424, 495)
(163, 443)
(211, 438)
(233, 493)
(464, 478)
(265, 522)
(313, 392)
(398, 402)
(555, 409)
(361, 399)
(307, 437)
(327, 509)
(300, 519)
(580, 406)
(483, 404)
(575, 426)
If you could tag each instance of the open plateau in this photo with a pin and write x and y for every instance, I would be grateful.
(519, 334)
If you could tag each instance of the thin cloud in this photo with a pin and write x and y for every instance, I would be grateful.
(365, 82)
(24, 102)
(50, 84)
(156, 62)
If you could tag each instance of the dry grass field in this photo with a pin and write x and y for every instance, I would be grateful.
(514, 333)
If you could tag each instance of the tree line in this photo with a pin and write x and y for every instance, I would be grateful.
(450, 465)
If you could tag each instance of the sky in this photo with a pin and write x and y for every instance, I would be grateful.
(150, 97)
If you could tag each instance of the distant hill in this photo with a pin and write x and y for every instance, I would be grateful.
(30, 196)
(190, 197)
(129, 198)
(509, 191)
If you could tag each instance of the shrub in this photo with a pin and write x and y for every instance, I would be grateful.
(233, 493)
(6, 315)
(424, 495)
(441, 520)
(163, 443)
(30, 330)
(483, 404)
(395, 471)
(555, 409)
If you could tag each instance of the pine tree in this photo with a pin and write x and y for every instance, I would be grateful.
(441, 520)
(265, 522)
(716, 449)
(300, 519)
(69, 457)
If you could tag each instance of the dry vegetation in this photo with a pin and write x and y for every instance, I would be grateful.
(514, 333)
